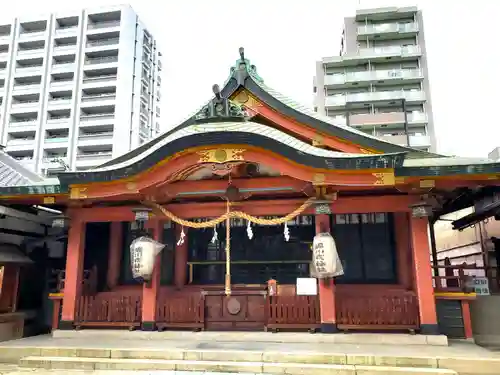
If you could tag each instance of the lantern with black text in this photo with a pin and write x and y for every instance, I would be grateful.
(143, 252)
(326, 262)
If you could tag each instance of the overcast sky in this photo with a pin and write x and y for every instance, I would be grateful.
(284, 38)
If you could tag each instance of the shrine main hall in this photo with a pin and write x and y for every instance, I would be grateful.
(236, 194)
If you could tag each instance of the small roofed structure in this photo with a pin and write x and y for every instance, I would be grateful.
(237, 193)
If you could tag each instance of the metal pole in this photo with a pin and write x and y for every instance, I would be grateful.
(432, 236)
(403, 102)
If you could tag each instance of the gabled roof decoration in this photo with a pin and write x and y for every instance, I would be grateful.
(220, 109)
(244, 75)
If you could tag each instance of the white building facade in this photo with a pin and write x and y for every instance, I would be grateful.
(379, 83)
(77, 88)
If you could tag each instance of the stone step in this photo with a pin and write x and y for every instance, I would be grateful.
(14, 354)
(281, 337)
(90, 364)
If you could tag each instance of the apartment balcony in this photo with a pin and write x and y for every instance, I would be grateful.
(395, 53)
(103, 26)
(370, 120)
(388, 31)
(24, 126)
(55, 163)
(28, 36)
(416, 141)
(92, 139)
(103, 44)
(26, 71)
(97, 100)
(66, 85)
(59, 103)
(58, 123)
(23, 144)
(31, 53)
(20, 89)
(63, 67)
(66, 49)
(23, 123)
(381, 97)
(22, 107)
(92, 158)
(5, 39)
(97, 120)
(99, 81)
(3, 73)
(4, 56)
(380, 76)
(101, 62)
(66, 31)
(55, 142)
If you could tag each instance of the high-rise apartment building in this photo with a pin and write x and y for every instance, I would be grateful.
(379, 82)
(77, 88)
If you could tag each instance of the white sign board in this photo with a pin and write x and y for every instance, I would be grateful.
(307, 286)
(480, 285)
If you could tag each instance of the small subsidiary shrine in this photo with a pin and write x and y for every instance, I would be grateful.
(236, 195)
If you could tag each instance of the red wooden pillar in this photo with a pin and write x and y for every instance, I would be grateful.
(404, 258)
(467, 319)
(181, 258)
(115, 254)
(150, 290)
(326, 287)
(423, 276)
(74, 273)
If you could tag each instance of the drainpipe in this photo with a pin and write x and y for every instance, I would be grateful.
(432, 236)
(407, 132)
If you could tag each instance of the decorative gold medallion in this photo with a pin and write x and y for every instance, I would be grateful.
(131, 186)
(384, 179)
(49, 200)
(221, 155)
(318, 140)
(77, 193)
(319, 178)
(426, 184)
(241, 98)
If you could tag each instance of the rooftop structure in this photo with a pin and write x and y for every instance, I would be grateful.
(77, 88)
(379, 83)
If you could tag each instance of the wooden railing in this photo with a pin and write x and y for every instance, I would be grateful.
(379, 310)
(455, 278)
(180, 311)
(293, 312)
(89, 280)
(109, 309)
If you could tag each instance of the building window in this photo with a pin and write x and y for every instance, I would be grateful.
(366, 247)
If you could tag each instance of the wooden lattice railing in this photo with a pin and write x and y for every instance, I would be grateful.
(109, 309)
(456, 278)
(384, 310)
(180, 311)
(293, 312)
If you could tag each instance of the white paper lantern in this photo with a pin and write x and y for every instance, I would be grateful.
(325, 259)
(143, 252)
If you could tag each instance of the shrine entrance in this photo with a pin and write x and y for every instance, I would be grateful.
(258, 255)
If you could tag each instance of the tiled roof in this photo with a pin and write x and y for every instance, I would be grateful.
(235, 127)
(13, 173)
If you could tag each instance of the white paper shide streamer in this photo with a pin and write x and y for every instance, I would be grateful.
(143, 252)
(325, 258)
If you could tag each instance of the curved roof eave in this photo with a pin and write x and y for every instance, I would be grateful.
(238, 134)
